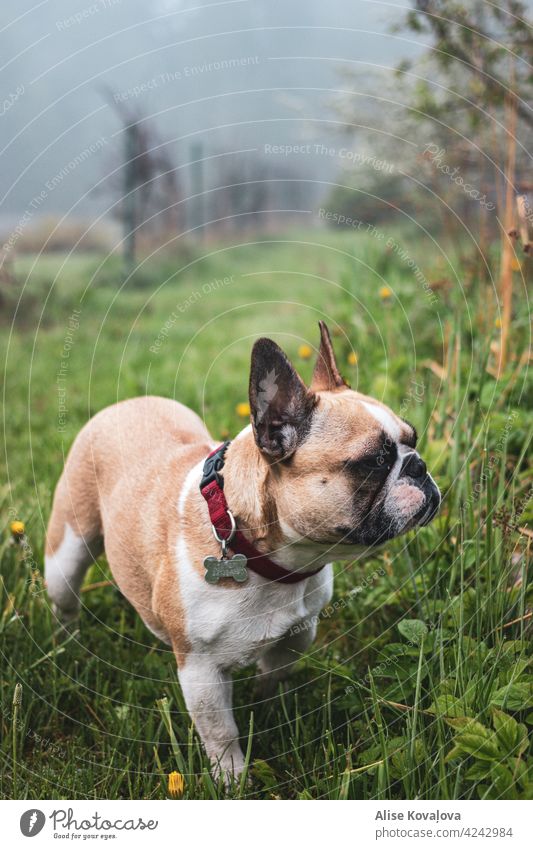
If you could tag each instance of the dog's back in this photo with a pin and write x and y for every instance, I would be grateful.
(116, 471)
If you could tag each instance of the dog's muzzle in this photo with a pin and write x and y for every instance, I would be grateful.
(389, 518)
(414, 471)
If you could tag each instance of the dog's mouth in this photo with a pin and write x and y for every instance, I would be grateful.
(434, 500)
(429, 513)
(375, 530)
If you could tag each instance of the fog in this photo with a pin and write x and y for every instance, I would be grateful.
(243, 75)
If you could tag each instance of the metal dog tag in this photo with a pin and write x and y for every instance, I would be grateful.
(230, 567)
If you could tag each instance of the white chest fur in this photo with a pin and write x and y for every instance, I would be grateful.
(237, 624)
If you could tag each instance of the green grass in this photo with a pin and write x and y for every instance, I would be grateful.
(419, 683)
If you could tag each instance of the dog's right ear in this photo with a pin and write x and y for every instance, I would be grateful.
(326, 375)
(281, 405)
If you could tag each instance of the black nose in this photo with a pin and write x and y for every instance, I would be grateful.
(414, 466)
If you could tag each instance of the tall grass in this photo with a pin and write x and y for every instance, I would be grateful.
(419, 684)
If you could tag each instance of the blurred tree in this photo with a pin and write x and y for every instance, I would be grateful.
(483, 51)
(146, 182)
(249, 192)
(484, 55)
(443, 123)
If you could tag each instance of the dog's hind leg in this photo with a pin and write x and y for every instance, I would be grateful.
(74, 540)
(65, 570)
(276, 663)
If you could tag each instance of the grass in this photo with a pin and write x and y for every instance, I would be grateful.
(419, 683)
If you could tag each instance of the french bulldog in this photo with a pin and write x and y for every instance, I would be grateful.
(225, 553)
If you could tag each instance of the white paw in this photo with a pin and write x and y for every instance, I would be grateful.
(229, 765)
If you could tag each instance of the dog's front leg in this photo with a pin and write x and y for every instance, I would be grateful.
(208, 692)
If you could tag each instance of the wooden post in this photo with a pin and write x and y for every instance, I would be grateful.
(506, 267)
(129, 218)
(197, 183)
(523, 223)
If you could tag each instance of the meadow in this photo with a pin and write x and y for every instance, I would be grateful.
(419, 684)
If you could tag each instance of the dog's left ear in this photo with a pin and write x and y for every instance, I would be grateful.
(326, 375)
(281, 405)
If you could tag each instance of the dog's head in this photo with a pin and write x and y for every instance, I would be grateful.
(344, 468)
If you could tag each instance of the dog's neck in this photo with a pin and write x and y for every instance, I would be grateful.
(246, 487)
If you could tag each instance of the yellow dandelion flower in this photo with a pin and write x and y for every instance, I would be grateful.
(385, 293)
(352, 358)
(515, 264)
(305, 352)
(176, 784)
(243, 409)
(498, 323)
(17, 529)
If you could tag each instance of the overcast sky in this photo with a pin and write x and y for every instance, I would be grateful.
(236, 74)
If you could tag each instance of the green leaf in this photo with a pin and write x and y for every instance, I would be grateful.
(513, 672)
(454, 753)
(478, 746)
(514, 646)
(394, 650)
(503, 779)
(413, 630)
(517, 696)
(474, 739)
(479, 771)
(464, 723)
(520, 770)
(447, 705)
(510, 733)
(263, 772)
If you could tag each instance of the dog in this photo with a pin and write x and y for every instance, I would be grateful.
(225, 552)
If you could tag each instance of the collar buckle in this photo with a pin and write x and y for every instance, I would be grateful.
(213, 465)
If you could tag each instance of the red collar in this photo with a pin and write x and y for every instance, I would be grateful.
(212, 489)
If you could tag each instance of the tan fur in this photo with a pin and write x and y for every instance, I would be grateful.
(121, 481)
(126, 469)
(297, 483)
(326, 375)
(311, 492)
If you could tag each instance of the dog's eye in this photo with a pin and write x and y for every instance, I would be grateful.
(379, 463)
(382, 462)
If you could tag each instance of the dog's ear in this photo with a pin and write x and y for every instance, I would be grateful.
(280, 403)
(326, 375)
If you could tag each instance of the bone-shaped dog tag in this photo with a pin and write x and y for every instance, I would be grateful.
(231, 567)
